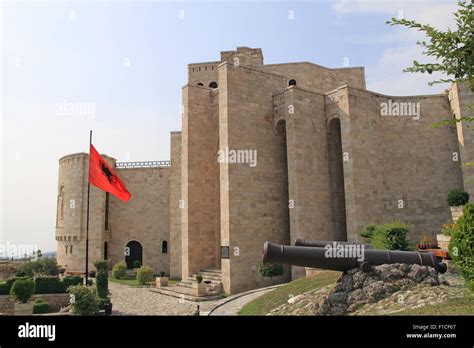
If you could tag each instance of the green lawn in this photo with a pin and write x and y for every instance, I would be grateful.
(134, 281)
(279, 296)
(456, 306)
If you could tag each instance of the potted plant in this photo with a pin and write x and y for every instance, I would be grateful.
(456, 200)
(445, 237)
(136, 264)
(21, 291)
(162, 280)
(199, 287)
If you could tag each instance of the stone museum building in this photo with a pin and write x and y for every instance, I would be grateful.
(271, 152)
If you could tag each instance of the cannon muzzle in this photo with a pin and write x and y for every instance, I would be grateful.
(345, 257)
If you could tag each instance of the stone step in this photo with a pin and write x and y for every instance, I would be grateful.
(207, 270)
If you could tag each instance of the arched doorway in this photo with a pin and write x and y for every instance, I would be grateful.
(133, 252)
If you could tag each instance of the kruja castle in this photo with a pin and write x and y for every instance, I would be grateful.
(270, 152)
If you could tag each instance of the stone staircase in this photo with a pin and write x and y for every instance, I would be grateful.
(212, 278)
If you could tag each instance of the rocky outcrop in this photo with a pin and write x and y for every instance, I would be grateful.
(356, 288)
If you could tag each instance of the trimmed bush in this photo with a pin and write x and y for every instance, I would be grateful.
(22, 290)
(461, 247)
(6, 287)
(137, 264)
(390, 236)
(457, 198)
(102, 278)
(40, 306)
(49, 285)
(144, 275)
(102, 302)
(83, 300)
(272, 270)
(119, 270)
(199, 278)
(71, 281)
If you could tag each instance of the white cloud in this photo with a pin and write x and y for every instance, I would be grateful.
(387, 76)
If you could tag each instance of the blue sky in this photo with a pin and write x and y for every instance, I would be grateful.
(128, 60)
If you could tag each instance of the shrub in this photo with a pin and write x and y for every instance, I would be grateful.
(83, 300)
(144, 275)
(199, 278)
(461, 247)
(457, 197)
(40, 267)
(162, 274)
(137, 264)
(5, 287)
(449, 228)
(49, 285)
(119, 270)
(272, 270)
(72, 280)
(40, 306)
(22, 290)
(102, 278)
(390, 236)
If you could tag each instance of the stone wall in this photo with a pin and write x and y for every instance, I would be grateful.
(397, 168)
(144, 218)
(318, 78)
(175, 206)
(55, 301)
(199, 173)
(253, 208)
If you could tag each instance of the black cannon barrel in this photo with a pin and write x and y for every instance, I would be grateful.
(316, 257)
(323, 243)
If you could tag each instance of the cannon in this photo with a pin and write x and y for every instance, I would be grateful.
(323, 243)
(316, 257)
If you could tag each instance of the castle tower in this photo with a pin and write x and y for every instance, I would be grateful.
(71, 216)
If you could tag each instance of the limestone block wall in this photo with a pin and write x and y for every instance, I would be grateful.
(204, 73)
(72, 217)
(144, 218)
(308, 172)
(460, 96)
(175, 206)
(398, 168)
(317, 78)
(243, 56)
(199, 172)
(252, 208)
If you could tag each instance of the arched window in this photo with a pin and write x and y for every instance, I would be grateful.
(213, 84)
(67, 248)
(164, 247)
(70, 250)
(200, 84)
(292, 82)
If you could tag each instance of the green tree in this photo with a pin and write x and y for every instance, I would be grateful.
(453, 50)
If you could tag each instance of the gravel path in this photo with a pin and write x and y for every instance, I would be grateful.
(128, 300)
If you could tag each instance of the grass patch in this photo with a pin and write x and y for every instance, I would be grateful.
(125, 281)
(279, 296)
(454, 306)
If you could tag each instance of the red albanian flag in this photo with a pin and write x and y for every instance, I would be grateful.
(101, 175)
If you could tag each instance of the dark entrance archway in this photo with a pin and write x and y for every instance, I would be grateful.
(133, 252)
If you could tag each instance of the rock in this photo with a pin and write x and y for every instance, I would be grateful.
(358, 280)
(377, 290)
(418, 273)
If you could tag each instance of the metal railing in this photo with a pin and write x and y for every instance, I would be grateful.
(143, 164)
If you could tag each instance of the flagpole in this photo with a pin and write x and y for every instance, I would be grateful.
(87, 223)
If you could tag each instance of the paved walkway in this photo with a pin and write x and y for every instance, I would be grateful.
(233, 304)
(128, 300)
